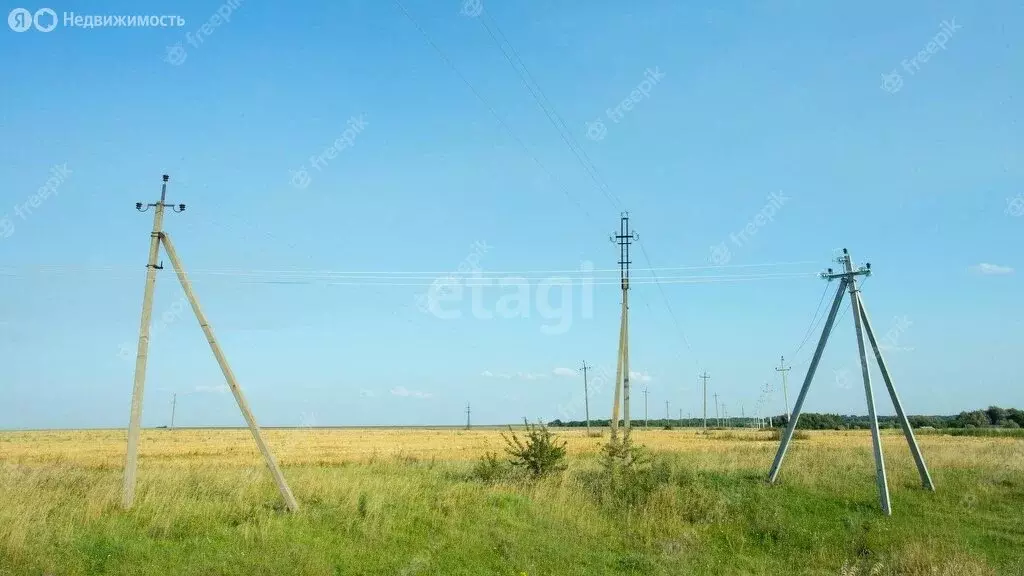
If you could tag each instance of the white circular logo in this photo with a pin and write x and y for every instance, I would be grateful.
(39, 19)
(19, 20)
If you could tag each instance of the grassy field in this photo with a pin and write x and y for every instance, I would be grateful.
(406, 501)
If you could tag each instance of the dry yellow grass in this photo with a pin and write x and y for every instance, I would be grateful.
(374, 499)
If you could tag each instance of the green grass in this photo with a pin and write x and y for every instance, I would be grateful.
(409, 517)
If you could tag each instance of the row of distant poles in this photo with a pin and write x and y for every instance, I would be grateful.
(847, 283)
(624, 238)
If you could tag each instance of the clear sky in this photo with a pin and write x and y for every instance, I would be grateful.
(916, 174)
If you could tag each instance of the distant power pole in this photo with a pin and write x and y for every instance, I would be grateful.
(467, 415)
(624, 238)
(174, 402)
(586, 395)
(718, 419)
(158, 237)
(667, 417)
(784, 369)
(705, 378)
(646, 421)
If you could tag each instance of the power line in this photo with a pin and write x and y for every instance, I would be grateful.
(479, 96)
(74, 268)
(671, 313)
(483, 282)
(545, 105)
(814, 322)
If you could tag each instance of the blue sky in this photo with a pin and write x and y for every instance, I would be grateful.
(758, 98)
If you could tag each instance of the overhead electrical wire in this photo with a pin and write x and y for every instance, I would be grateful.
(490, 108)
(81, 269)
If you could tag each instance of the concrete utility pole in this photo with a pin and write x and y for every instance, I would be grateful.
(467, 415)
(718, 419)
(668, 418)
(131, 461)
(646, 421)
(174, 404)
(705, 378)
(624, 238)
(586, 395)
(848, 282)
(784, 369)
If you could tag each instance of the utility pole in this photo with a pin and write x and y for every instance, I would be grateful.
(158, 236)
(467, 415)
(624, 238)
(705, 378)
(848, 282)
(586, 395)
(784, 369)
(174, 403)
(646, 421)
(668, 418)
(718, 419)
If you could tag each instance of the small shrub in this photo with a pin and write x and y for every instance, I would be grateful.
(362, 506)
(630, 474)
(489, 468)
(539, 454)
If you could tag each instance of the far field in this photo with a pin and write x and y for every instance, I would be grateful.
(407, 501)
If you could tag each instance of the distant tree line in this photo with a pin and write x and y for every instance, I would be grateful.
(992, 417)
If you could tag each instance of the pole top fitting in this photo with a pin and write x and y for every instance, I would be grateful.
(844, 251)
(166, 177)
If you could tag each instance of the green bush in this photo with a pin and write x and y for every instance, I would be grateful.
(540, 453)
(489, 468)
